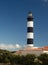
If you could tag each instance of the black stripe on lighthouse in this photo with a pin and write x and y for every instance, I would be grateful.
(30, 33)
(29, 29)
(30, 19)
(29, 41)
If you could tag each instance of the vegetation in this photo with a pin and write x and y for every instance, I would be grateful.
(8, 58)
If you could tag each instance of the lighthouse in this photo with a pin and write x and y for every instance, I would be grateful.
(30, 33)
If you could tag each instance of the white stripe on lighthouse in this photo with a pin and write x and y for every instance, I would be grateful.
(30, 24)
(30, 35)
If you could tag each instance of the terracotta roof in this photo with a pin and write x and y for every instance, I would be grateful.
(37, 49)
(45, 48)
(33, 49)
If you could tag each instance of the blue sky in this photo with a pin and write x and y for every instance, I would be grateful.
(13, 14)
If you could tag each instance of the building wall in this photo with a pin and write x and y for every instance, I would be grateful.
(32, 52)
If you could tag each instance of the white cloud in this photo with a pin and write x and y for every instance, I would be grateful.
(18, 46)
(45, 1)
(9, 46)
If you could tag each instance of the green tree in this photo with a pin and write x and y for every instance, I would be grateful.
(43, 58)
(28, 59)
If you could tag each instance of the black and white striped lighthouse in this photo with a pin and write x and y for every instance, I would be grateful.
(30, 33)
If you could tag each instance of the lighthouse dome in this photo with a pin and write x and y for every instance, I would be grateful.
(30, 14)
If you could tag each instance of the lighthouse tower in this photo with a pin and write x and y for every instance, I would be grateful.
(30, 33)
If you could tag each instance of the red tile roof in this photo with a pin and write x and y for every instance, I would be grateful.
(45, 48)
